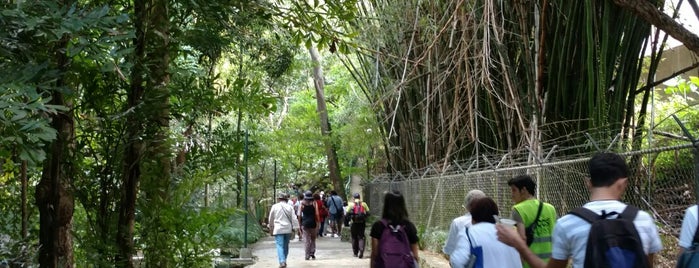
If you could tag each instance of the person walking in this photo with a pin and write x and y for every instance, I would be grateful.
(282, 225)
(479, 244)
(334, 206)
(323, 213)
(459, 224)
(357, 212)
(607, 182)
(310, 220)
(535, 219)
(394, 238)
(295, 202)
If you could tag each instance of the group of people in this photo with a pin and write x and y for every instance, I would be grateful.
(534, 236)
(306, 216)
(540, 239)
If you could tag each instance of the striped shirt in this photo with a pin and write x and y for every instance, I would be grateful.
(571, 232)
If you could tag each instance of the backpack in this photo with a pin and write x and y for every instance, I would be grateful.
(613, 242)
(308, 216)
(394, 248)
(359, 213)
(529, 230)
(690, 257)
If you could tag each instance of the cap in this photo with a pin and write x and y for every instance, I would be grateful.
(282, 195)
(356, 195)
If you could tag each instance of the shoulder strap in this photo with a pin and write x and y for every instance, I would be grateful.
(696, 233)
(469, 240)
(585, 214)
(332, 198)
(629, 213)
(538, 213)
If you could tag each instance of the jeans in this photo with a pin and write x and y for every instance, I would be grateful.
(282, 242)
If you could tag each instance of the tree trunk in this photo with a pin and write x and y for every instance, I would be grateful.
(134, 145)
(53, 194)
(333, 164)
(156, 163)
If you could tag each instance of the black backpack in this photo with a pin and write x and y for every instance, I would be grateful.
(690, 257)
(613, 243)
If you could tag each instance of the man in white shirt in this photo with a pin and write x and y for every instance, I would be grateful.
(282, 224)
(689, 227)
(607, 183)
(458, 225)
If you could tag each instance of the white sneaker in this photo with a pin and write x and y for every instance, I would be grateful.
(335, 235)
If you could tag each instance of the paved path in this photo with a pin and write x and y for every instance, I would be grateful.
(330, 252)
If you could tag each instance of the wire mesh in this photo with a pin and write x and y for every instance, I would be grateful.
(662, 183)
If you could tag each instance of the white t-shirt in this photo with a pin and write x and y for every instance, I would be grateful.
(571, 232)
(689, 227)
(495, 253)
(457, 227)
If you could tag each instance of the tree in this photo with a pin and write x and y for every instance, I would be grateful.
(319, 84)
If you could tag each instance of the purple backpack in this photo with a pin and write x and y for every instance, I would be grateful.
(394, 247)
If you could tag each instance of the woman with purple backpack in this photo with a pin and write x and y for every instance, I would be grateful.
(394, 238)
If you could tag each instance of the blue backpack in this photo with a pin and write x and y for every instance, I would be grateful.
(394, 247)
(690, 257)
(613, 243)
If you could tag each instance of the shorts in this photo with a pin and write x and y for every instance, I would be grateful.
(336, 216)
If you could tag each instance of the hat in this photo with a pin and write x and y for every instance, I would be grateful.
(308, 195)
(356, 195)
(282, 195)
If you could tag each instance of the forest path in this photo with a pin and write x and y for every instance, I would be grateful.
(330, 252)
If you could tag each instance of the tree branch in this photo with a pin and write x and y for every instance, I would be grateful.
(651, 14)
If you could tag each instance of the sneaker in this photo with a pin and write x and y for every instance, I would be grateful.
(313, 257)
(335, 235)
(361, 254)
(283, 265)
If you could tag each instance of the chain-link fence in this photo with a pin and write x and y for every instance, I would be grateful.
(662, 183)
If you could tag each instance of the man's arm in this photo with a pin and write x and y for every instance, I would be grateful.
(520, 224)
(512, 238)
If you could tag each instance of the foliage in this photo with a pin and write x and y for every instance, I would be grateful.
(680, 101)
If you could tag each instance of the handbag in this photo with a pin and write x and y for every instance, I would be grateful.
(471, 257)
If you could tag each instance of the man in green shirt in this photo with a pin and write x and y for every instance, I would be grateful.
(525, 212)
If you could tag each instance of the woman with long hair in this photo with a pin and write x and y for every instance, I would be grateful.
(394, 238)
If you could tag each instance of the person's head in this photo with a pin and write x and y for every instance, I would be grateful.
(316, 196)
(483, 209)
(608, 169)
(522, 188)
(333, 192)
(294, 198)
(357, 196)
(471, 196)
(394, 208)
(282, 197)
(308, 195)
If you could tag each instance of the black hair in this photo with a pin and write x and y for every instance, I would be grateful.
(394, 209)
(606, 168)
(523, 181)
(483, 209)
